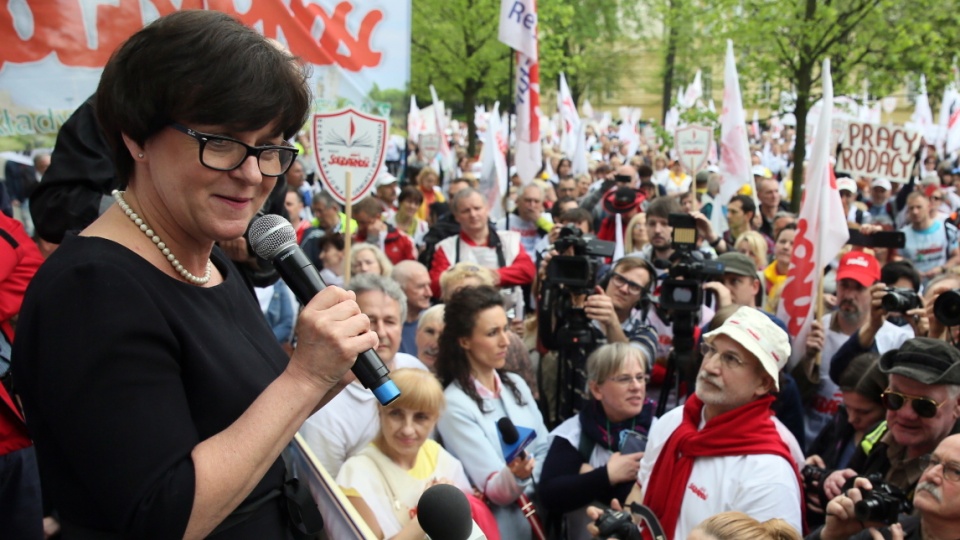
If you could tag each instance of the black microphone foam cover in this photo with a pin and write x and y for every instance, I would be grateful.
(444, 513)
(508, 430)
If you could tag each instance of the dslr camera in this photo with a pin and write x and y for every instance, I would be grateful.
(813, 478)
(617, 524)
(947, 308)
(900, 300)
(884, 503)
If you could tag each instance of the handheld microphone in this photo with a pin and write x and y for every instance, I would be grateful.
(444, 513)
(514, 440)
(273, 238)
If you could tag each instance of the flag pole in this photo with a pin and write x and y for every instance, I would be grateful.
(348, 237)
(510, 112)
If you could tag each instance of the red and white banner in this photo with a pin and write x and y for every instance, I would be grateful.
(692, 143)
(52, 51)
(415, 121)
(734, 150)
(569, 119)
(518, 26)
(529, 157)
(821, 231)
(922, 118)
(950, 119)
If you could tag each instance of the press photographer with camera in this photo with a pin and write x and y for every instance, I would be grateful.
(936, 504)
(922, 400)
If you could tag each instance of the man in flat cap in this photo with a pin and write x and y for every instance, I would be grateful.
(923, 406)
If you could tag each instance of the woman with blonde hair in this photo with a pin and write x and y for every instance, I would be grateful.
(637, 236)
(369, 259)
(384, 481)
(753, 245)
(428, 181)
(739, 526)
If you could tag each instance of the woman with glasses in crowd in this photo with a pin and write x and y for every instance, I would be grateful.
(479, 392)
(595, 455)
(157, 395)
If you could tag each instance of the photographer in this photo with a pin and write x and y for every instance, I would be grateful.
(936, 503)
(922, 400)
(613, 308)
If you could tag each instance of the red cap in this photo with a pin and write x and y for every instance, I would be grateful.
(860, 267)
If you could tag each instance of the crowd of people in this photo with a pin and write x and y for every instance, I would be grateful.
(163, 368)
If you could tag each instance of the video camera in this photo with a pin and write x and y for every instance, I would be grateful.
(687, 268)
(681, 296)
(563, 325)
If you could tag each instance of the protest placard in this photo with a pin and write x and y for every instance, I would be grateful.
(874, 150)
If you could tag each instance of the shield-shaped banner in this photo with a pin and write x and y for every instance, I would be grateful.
(429, 146)
(693, 146)
(349, 140)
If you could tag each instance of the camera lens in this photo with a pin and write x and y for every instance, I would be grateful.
(947, 308)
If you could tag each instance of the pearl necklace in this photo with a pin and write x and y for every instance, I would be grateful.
(174, 262)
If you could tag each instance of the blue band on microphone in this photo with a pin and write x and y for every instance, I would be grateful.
(386, 392)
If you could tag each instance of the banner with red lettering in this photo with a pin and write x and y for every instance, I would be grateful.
(875, 150)
(52, 51)
(821, 231)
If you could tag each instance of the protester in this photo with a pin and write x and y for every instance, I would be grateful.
(739, 526)
(349, 422)
(775, 274)
(384, 480)
(429, 328)
(931, 245)
(427, 181)
(188, 336)
(405, 219)
(369, 259)
(371, 228)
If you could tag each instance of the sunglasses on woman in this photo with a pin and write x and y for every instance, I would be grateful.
(923, 406)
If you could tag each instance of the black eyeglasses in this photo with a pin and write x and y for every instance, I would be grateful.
(226, 154)
(632, 286)
(923, 406)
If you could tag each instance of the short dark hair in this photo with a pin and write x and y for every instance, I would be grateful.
(556, 209)
(369, 206)
(895, 270)
(662, 207)
(410, 192)
(787, 227)
(746, 203)
(198, 67)
(644, 170)
(577, 215)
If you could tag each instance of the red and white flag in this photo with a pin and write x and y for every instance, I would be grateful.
(821, 231)
(734, 150)
(518, 26)
(569, 119)
(950, 119)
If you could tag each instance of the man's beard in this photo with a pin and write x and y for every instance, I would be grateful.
(854, 317)
(715, 395)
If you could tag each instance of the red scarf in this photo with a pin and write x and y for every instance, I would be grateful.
(745, 430)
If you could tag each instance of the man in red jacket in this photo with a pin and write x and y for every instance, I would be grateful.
(21, 508)
(372, 229)
(478, 242)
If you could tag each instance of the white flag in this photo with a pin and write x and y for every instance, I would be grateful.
(414, 121)
(518, 26)
(821, 230)
(755, 125)
(569, 119)
(578, 162)
(734, 150)
(493, 172)
(694, 91)
(949, 126)
(922, 118)
(588, 109)
(440, 119)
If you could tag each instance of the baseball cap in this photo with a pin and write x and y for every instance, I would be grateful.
(760, 336)
(385, 179)
(737, 263)
(860, 267)
(702, 177)
(882, 183)
(622, 200)
(761, 171)
(925, 360)
(847, 184)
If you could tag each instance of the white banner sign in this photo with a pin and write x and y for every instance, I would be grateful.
(349, 141)
(875, 150)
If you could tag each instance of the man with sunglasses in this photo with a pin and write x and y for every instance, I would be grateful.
(923, 406)
(936, 504)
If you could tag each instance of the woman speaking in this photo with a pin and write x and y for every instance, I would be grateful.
(157, 396)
